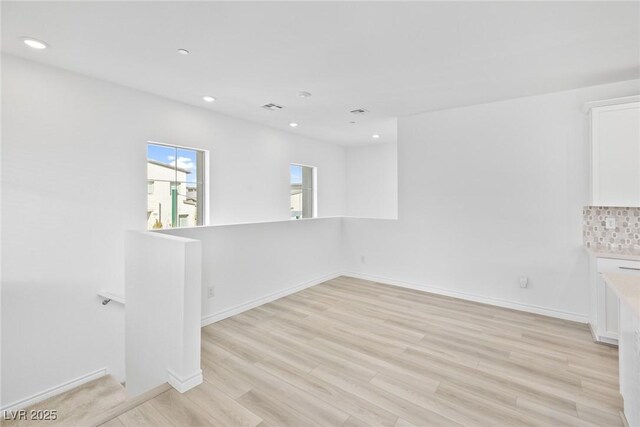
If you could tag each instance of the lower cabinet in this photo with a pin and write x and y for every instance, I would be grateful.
(604, 316)
(629, 356)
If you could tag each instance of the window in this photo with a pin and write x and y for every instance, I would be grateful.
(302, 191)
(175, 186)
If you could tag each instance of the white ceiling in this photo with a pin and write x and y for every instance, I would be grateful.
(392, 58)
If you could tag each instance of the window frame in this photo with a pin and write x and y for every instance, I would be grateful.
(314, 189)
(204, 210)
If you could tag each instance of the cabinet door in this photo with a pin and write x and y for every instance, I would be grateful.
(615, 136)
(629, 357)
(607, 312)
(607, 324)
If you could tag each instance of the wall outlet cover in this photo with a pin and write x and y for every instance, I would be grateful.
(523, 281)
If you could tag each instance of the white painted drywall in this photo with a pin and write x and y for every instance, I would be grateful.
(250, 264)
(74, 179)
(372, 181)
(488, 193)
(162, 329)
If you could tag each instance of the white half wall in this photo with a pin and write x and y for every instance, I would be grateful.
(74, 179)
(372, 181)
(488, 193)
(162, 329)
(252, 264)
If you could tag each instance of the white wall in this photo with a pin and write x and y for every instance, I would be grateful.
(488, 193)
(250, 264)
(250, 172)
(162, 330)
(64, 137)
(372, 181)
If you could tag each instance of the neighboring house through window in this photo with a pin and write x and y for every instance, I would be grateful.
(175, 186)
(302, 187)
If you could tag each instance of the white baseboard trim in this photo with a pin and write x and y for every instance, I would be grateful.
(593, 333)
(607, 341)
(601, 339)
(184, 384)
(215, 317)
(623, 417)
(471, 297)
(529, 308)
(53, 391)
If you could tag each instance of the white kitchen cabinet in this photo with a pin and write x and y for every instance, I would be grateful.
(604, 318)
(629, 356)
(615, 152)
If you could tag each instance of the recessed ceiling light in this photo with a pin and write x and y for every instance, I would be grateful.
(304, 94)
(293, 125)
(34, 43)
(375, 136)
(183, 52)
(208, 98)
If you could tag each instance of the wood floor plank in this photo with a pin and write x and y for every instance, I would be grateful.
(275, 411)
(358, 408)
(309, 349)
(599, 416)
(224, 379)
(277, 388)
(548, 416)
(222, 408)
(423, 397)
(404, 423)
(77, 406)
(389, 401)
(180, 411)
(259, 342)
(481, 406)
(113, 423)
(352, 353)
(145, 415)
(354, 422)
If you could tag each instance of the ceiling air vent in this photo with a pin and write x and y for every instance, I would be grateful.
(359, 111)
(272, 107)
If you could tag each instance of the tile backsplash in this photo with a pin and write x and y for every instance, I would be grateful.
(625, 235)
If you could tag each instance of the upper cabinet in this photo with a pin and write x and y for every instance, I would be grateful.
(615, 152)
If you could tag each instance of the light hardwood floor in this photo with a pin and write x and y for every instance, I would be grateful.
(350, 352)
(80, 406)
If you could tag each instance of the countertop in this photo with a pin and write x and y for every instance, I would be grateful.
(628, 254)
(627, 287)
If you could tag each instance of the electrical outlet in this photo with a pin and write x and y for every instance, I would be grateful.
(610, 223)
(524, 281)
(211, 291)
